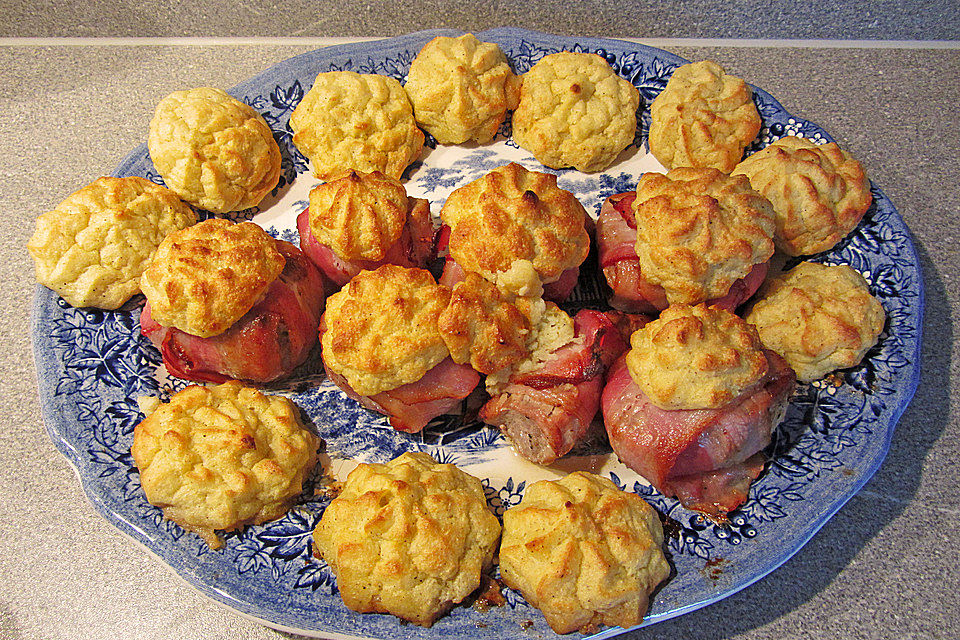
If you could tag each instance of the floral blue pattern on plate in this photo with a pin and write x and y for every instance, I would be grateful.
(92, 366)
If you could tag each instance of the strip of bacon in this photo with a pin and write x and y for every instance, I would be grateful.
(717, 493)
(411, 406)
(561, 288)
(616, 240)
(703, 456)
(272, 339)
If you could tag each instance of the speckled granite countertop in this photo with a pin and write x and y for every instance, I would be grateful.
(883, 567)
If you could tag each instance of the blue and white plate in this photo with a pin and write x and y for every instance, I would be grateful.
(93, 365)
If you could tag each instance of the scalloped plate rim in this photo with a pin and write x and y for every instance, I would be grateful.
(245, 608)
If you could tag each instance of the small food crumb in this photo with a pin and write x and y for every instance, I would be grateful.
(834, 379)
(328, 488)
(488, 595)
(148, 404)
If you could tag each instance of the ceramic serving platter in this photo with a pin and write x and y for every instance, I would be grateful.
(93, 365)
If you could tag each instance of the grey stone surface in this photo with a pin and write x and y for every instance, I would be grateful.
(840, 19)
(883, 567)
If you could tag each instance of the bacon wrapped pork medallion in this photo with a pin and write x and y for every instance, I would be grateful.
(690, 236)
(547, 401)
(693, 403)
(510, 215)
(382, 346)
(227, 300)
(544, 369)
(363, 220)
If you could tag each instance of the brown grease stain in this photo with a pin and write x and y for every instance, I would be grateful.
(671, 528)
(834, 379)
(714, 568)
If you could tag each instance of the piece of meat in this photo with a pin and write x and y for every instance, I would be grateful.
(452, 273)
(616, 240)
(561, 288)
(422, 234)
(630, 291)
(547, 411)
(544, 424)
(411, 406)
(703, 456)
(416, 247)
(272, 339)
(627, 323)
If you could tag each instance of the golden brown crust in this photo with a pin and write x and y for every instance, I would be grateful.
(703, 118)
(411, 537)
(583, 552)
(513, 214)
(819, 192)
(575, 111)
(382, 329)
(213, 150)
(818, 317)
(461, 89)
(204, 278)
(356, 121)
(699, 231)
(696, 358)
(481, 327)
(221, 457)
(360, 215)
(93, 247)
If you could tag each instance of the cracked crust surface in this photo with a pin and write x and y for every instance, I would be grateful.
(482, 327)
(819, 192)
(696, 358)
(818, 317)
(461, 89)
(206, 277)
(364, 122)
(575, 111)
(360, 215)
(699, 231)
(411, 537)
(704, 117)
(583, 552)
(382, 328)
(512, 214)
(93, 247)
(221, 457)
(216, 152)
